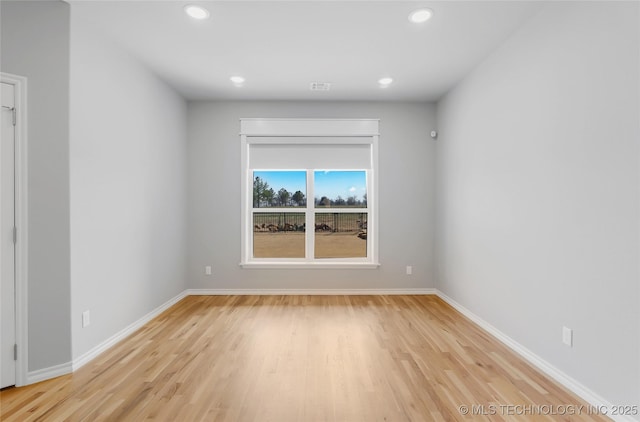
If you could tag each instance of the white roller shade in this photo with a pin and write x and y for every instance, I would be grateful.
(309, 156)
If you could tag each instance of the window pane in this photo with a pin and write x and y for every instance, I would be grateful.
(279, 189)
(278, 235)
(337, 188)
(341, 235)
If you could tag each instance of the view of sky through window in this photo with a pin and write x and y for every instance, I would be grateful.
(292, 181)
(339, 183)
(332, 188)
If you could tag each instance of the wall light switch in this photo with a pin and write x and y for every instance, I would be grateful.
(409, 270)
(207, 270)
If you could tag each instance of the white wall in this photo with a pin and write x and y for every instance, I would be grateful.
(538, 192)
(406, 193)
(128, 193)
(35, 44)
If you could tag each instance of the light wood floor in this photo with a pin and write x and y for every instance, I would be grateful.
(297, 358)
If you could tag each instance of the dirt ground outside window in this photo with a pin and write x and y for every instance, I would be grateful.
(292, 245)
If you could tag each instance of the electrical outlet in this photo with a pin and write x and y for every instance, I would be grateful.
(409, 270)
(86, 319)
(207, 270)
(567, 336)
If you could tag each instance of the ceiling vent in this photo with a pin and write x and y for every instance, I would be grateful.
(320, 86)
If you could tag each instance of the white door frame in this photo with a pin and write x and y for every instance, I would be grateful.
(21, 221)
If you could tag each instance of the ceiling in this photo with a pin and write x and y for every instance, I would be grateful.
(280, 47)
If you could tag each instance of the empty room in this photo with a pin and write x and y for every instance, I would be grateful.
(320, 210)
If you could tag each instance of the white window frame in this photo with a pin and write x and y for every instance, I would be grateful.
(302, 132)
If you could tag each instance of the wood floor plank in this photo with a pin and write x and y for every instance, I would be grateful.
(299, 358)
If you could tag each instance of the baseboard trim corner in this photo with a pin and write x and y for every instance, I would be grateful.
(548, 369)
(48, 373)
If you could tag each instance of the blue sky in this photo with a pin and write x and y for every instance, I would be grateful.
(290, 180)
(328, 183)
(342, 183)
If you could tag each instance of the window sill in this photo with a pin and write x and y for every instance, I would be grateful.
(310, 265)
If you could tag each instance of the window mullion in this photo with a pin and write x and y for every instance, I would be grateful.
(310, 218)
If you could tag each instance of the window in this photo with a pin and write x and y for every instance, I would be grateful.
(309, 196)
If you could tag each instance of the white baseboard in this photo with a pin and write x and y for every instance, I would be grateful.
(94, 352)
(48, 373)
(565, 380)
(314, 292)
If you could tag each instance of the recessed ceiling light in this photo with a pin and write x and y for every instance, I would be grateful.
(196, 12)
(420, 15)
(384, 82)
(237, 80)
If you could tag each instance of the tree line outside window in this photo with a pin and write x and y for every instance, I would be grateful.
(265, 196)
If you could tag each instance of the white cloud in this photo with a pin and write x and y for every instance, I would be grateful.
(352, 189)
